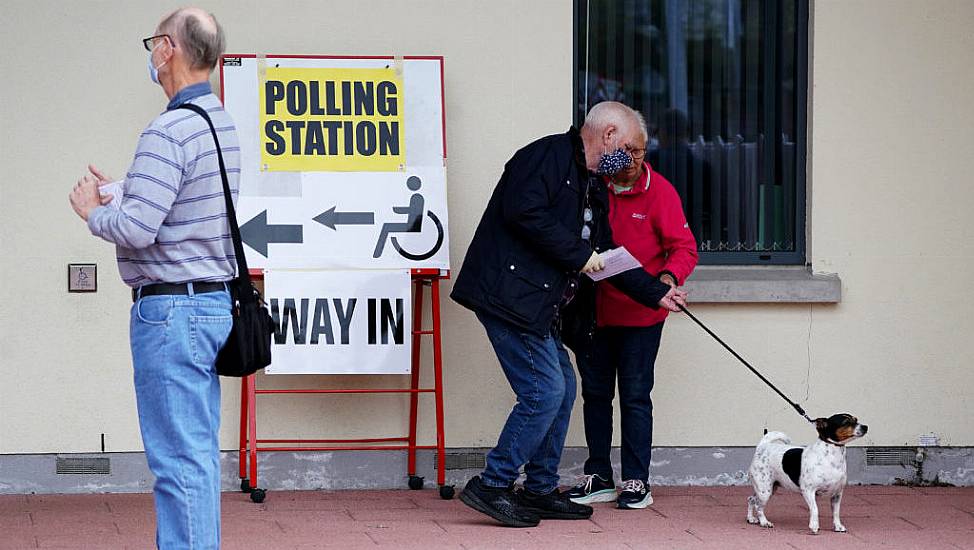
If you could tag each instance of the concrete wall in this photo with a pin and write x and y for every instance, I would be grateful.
(891, 203)
(891, 122)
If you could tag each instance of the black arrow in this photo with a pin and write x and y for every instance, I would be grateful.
(330, 218)
(257, 234)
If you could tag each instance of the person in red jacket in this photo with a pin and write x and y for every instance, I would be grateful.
(646, 216)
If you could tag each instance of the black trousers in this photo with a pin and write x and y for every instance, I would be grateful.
(626, 354)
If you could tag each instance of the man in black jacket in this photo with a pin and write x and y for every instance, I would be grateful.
(546, 222)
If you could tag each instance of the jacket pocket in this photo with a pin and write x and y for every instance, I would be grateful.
(520, 292)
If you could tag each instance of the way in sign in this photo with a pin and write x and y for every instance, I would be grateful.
(385, 320)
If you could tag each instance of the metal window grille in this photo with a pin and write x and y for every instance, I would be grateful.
(462, 461)
(82, 465)
(891, 456)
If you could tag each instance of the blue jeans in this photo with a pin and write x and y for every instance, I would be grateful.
(542, 377)
(630, 354)
(175, 340)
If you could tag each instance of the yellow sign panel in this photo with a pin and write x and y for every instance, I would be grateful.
(336, 120)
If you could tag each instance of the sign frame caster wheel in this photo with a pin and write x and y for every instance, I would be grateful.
(447, 492)
(258, 495)
(245, 485)
(416, 482)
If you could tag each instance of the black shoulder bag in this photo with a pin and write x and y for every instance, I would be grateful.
(248, 349)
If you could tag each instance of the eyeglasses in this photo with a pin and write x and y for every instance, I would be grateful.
(636, 154)
(153, 41)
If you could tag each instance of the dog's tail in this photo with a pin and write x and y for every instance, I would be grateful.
(774, 437)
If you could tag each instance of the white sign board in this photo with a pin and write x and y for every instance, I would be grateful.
(340, 322)
(343, 161)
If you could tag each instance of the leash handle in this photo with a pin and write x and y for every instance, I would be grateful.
(796, 406)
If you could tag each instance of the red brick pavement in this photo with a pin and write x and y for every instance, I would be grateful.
(682, 517)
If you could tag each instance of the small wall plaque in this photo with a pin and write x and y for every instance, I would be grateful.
(82, 278)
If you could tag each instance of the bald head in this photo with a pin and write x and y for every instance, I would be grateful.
(614, 114)
(610, 125)
(198, 36)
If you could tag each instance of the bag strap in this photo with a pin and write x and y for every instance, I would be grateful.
(242, 271)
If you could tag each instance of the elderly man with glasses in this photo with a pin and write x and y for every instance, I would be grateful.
(546, 222)
(174, 249)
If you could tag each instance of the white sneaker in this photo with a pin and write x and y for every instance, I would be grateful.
(592, 489)
(635, 495)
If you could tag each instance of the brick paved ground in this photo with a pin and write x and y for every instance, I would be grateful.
(683, 517)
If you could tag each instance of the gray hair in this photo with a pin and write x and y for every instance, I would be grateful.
(642, 124)
(613, 113)
(199, 35)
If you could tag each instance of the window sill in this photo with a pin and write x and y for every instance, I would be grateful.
(765, 284)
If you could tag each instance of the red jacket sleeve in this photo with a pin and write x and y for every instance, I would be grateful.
(675, 236)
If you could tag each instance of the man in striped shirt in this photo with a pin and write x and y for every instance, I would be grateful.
(174, 249)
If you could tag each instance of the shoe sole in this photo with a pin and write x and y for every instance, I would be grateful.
(638, 505)
(479, 505)
(605, 495)
(546, 514)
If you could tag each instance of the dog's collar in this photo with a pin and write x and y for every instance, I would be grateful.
(834, 442)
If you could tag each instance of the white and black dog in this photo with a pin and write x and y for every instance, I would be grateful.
(819, 468)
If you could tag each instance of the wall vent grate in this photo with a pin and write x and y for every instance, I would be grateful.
(890, 456)
(82, 465)
(462, 461)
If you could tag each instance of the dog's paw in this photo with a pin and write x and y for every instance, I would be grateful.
(752, 521)
(767, 525)
(840, 528)
(813, 531)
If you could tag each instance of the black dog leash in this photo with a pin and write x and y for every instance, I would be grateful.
(797, 407)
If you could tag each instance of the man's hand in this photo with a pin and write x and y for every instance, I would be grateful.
(103, 180)
(595, 263)
(674, 299)
(85, 196)
(668, 279)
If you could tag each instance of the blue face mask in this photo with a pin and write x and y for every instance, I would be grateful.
(613, 162)
(153, 70)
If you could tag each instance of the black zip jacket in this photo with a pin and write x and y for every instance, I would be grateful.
(528, 245)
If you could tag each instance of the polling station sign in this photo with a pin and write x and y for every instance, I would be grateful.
(340, 322)
(332, 119)
(343, 161)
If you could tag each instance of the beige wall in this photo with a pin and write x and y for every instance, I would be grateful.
(891, 179)
(891, 123)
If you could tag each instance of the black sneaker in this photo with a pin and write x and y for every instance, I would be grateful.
(499, 503)
(635, 495)
(554, 505)
(593, 488)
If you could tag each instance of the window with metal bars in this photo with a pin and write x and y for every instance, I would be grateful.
(723, 87)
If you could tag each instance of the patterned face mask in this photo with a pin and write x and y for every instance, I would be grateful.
(614, 162)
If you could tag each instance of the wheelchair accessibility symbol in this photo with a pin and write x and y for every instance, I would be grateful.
(417, 227)
(413, 223)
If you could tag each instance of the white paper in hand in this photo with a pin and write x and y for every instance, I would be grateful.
(616, 261)
(115, 190)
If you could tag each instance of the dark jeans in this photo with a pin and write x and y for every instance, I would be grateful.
(542, 377)
(630, 354)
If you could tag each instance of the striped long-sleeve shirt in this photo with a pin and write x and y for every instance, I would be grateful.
(171, 225)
